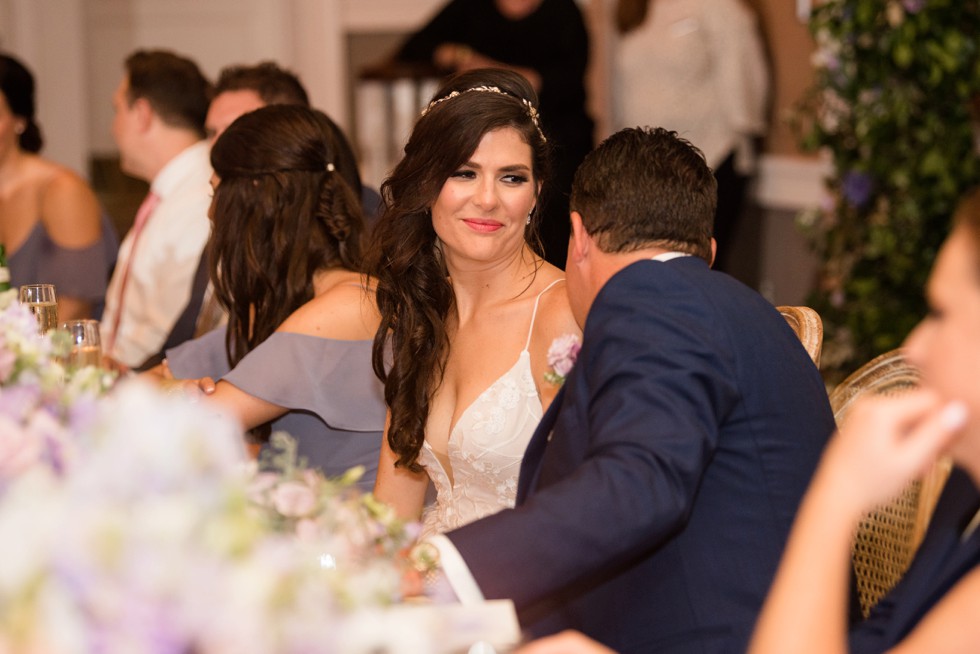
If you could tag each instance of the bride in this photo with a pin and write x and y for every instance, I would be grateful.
(469, 308)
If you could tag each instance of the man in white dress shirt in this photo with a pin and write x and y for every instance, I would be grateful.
(160, 107)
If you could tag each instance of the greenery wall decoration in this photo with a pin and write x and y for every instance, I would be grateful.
(895, 80)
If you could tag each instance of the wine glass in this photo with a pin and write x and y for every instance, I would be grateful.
(40, 299)
(86, 346)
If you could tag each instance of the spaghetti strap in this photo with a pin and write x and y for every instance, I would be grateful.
(534, 313)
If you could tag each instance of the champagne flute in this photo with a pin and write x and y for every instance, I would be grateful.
(40, 299)
(86, 346)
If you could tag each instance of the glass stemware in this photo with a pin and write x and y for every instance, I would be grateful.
(86, 345)
(41, 300)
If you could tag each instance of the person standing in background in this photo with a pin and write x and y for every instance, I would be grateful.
(160, 106)
(696, 67)
(545, 41)
(50, 220)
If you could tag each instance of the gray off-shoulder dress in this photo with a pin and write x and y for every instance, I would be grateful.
(336, 403)
(82, 273)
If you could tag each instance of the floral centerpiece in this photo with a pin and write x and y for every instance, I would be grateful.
(42, 405)
(131, 521)
(891, 104)
(160, 538)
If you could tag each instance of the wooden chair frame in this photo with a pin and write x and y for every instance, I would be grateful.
(808, 327)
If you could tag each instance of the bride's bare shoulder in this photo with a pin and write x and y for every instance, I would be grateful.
(554, 310)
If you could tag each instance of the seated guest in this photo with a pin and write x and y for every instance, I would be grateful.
(657, 493)
(50, 221)
(884, 443)
(159, 128)
(285, 255)
(241, 89)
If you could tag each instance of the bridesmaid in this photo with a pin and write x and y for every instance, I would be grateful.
(50, 221)
(285, 257)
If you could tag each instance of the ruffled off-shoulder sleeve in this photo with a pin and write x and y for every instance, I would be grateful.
(330, 378)
(202, 357)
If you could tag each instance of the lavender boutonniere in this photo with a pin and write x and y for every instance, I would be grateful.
(561, 357)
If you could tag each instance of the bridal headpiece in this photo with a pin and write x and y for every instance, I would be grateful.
(528, 107)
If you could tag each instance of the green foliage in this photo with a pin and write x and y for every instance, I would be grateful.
(891, 105)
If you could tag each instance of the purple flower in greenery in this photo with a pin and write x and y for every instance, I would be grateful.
(914, 6)
(856, 188)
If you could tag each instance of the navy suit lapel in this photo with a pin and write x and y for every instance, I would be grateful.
(531, 465)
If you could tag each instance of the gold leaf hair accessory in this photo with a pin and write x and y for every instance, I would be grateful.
(528, 107)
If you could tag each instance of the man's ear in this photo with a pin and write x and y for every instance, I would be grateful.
(144, 113)
(579, 242)
(714, 252)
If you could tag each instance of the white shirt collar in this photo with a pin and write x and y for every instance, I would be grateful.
(667, 256)
(175, 170)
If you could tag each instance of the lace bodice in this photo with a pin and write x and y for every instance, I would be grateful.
(485, 448)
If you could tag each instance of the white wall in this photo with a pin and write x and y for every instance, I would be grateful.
(76, 48)
(213, 33)
(46, 35)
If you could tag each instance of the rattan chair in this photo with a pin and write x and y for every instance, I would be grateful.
(808, 327)
(887, 538)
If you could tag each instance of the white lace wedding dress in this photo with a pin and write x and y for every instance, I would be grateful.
(485, 448)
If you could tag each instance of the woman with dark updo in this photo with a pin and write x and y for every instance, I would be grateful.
(50, 222)
(285, 260)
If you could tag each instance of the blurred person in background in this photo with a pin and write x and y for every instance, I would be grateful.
(160, 105)
(239, 90)
(51, 224)
(696, 67)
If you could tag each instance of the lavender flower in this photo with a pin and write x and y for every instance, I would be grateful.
(856, 187)
(561, 357)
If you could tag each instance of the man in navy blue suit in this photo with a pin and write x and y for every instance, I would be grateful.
(657, 492)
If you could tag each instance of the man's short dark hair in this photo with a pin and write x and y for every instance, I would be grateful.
(647, 187)
(173, 85)
(274, 85)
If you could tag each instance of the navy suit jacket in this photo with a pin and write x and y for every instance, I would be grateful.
(656, 495)
(941, 561)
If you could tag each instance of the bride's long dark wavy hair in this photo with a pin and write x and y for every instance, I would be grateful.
(281, 213)
(413, 291)
(630, 14)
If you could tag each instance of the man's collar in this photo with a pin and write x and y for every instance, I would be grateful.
(667, 256)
